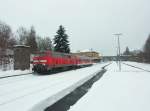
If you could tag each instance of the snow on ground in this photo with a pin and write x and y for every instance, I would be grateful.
(13, 72)
(35, 93)
(141, 65)
(128, 90)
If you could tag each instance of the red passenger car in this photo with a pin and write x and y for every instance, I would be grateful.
(49, 60)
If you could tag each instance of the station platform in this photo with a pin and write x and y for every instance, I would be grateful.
(127, 90)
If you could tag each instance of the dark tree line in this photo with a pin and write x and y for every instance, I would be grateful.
(147, 50)
(127, 51)
(44, 43)
(143, 55)
(30, 38)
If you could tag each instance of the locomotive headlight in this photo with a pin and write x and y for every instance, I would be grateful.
(35, 61)
(43, 60)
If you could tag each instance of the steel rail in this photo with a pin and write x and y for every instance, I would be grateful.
(136, 67)
(3, 77)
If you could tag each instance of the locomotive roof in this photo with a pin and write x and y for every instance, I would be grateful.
(63, 54)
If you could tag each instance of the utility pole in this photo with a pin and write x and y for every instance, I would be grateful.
(117, 55)
(118, 35)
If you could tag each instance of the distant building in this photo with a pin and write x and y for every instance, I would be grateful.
(95, 56)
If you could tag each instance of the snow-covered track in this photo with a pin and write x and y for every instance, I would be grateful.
(106, 65)
(37, 92)
(136, 67)
(3, 77)
(17, 79)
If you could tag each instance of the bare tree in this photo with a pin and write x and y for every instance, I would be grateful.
(22, 35)
(12, 41)
(5, 34)
(31, 40)
(27, 37)
(44, 43)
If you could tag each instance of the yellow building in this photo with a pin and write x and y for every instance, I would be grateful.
(95, 56)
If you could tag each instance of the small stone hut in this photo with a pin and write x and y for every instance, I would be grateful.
(21, 57)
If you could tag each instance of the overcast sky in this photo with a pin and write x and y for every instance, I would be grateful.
(89, 23)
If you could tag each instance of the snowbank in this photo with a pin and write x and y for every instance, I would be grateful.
(127, 90)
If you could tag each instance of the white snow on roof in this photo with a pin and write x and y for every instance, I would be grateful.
(84, 50)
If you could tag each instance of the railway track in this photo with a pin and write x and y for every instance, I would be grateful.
(12, 92)
(136, 67)
(3, 77)
(106, 65)
(10, 76)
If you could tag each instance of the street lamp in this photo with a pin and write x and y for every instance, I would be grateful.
(118, 35)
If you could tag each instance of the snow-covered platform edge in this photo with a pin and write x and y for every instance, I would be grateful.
(53, 99)
(13, 73)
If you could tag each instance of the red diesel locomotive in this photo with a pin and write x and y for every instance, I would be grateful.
(49, 60)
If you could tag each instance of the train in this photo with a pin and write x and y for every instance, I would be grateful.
(49, 60)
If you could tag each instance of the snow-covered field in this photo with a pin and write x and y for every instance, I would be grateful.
(141, 65)
(128, 90)
(35, 93)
